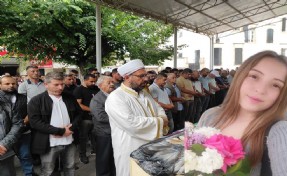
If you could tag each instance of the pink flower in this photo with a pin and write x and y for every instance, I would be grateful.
(231, 149)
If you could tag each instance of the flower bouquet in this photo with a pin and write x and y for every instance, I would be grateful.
(209, 153)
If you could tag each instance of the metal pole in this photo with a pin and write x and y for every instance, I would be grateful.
(175, 48)
(211, 53)
(98, 38)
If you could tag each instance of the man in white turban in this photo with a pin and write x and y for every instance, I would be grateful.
(134, 116)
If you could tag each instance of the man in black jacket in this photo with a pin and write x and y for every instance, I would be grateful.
(54, 118)
(105, 165)
(18, 103)
(10, 123)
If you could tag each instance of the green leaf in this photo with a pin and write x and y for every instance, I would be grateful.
(243, 166)
(198, 149)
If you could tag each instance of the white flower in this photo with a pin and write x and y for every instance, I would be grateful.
(210, 161)
(207, 131)
(190, 161)
(188, 125)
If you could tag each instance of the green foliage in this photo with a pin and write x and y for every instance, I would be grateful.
(242, 168)
(198, 149)
(65, 30)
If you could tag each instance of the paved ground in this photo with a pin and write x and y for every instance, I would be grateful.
(84, 169)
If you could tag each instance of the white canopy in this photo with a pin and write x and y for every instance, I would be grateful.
(208, 17)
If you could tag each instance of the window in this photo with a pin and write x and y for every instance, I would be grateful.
(217, 56)
(238, 56)
(217, 40)
(197, 58)
(246, 34)
(269, 35)
(179, 55)
(283, 24)
(180, 34)
(284, 51)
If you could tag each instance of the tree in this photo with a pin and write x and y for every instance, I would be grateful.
(65, 31)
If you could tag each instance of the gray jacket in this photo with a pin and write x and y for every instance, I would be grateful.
(100, 117)
(10, 125)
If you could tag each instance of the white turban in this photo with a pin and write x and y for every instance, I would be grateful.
(130, 67)
(215, 73)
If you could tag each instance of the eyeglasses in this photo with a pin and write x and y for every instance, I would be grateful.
(141, 76)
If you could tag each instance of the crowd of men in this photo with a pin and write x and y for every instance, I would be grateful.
(46, 121)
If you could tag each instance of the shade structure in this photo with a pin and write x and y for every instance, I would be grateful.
(207, 17)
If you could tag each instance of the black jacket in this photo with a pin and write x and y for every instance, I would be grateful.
(39, 113)
(11, 122)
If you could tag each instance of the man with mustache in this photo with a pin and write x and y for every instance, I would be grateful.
(135, 117)
(105, 165)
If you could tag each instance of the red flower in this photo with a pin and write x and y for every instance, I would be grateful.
(231, 149)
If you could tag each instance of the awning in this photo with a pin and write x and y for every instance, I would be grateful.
(208, 17)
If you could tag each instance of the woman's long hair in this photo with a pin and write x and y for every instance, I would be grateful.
(253, 136)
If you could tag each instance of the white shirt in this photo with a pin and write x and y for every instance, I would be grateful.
(59, 118)
(213, 83)
(197, 86)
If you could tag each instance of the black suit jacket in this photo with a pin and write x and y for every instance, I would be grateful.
(39, 113)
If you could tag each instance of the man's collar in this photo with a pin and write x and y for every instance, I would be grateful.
(129, 90)
(30, 82)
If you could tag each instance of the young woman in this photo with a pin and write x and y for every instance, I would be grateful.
(255, 103)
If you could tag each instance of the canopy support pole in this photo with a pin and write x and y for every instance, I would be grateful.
(175, 48)
(211, 53)
(98, 38)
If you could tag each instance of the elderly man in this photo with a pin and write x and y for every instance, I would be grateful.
(12, 109)
(54, 118)
(105, 165)
(135, 117)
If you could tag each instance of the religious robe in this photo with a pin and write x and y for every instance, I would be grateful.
(135, 120)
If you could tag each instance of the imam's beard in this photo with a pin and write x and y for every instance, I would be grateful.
(138, 88)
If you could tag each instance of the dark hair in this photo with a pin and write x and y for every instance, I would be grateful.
(74, 71)
(161, 75)
(186, 70)
(90, 70)
(173, 70)
(88, 76)
(151, 72)
(115, 70)
(164, 71)
(31, 66)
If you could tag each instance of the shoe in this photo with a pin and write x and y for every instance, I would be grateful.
(76, 167)
(93, 153)
(84, 159)
(36, 161)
